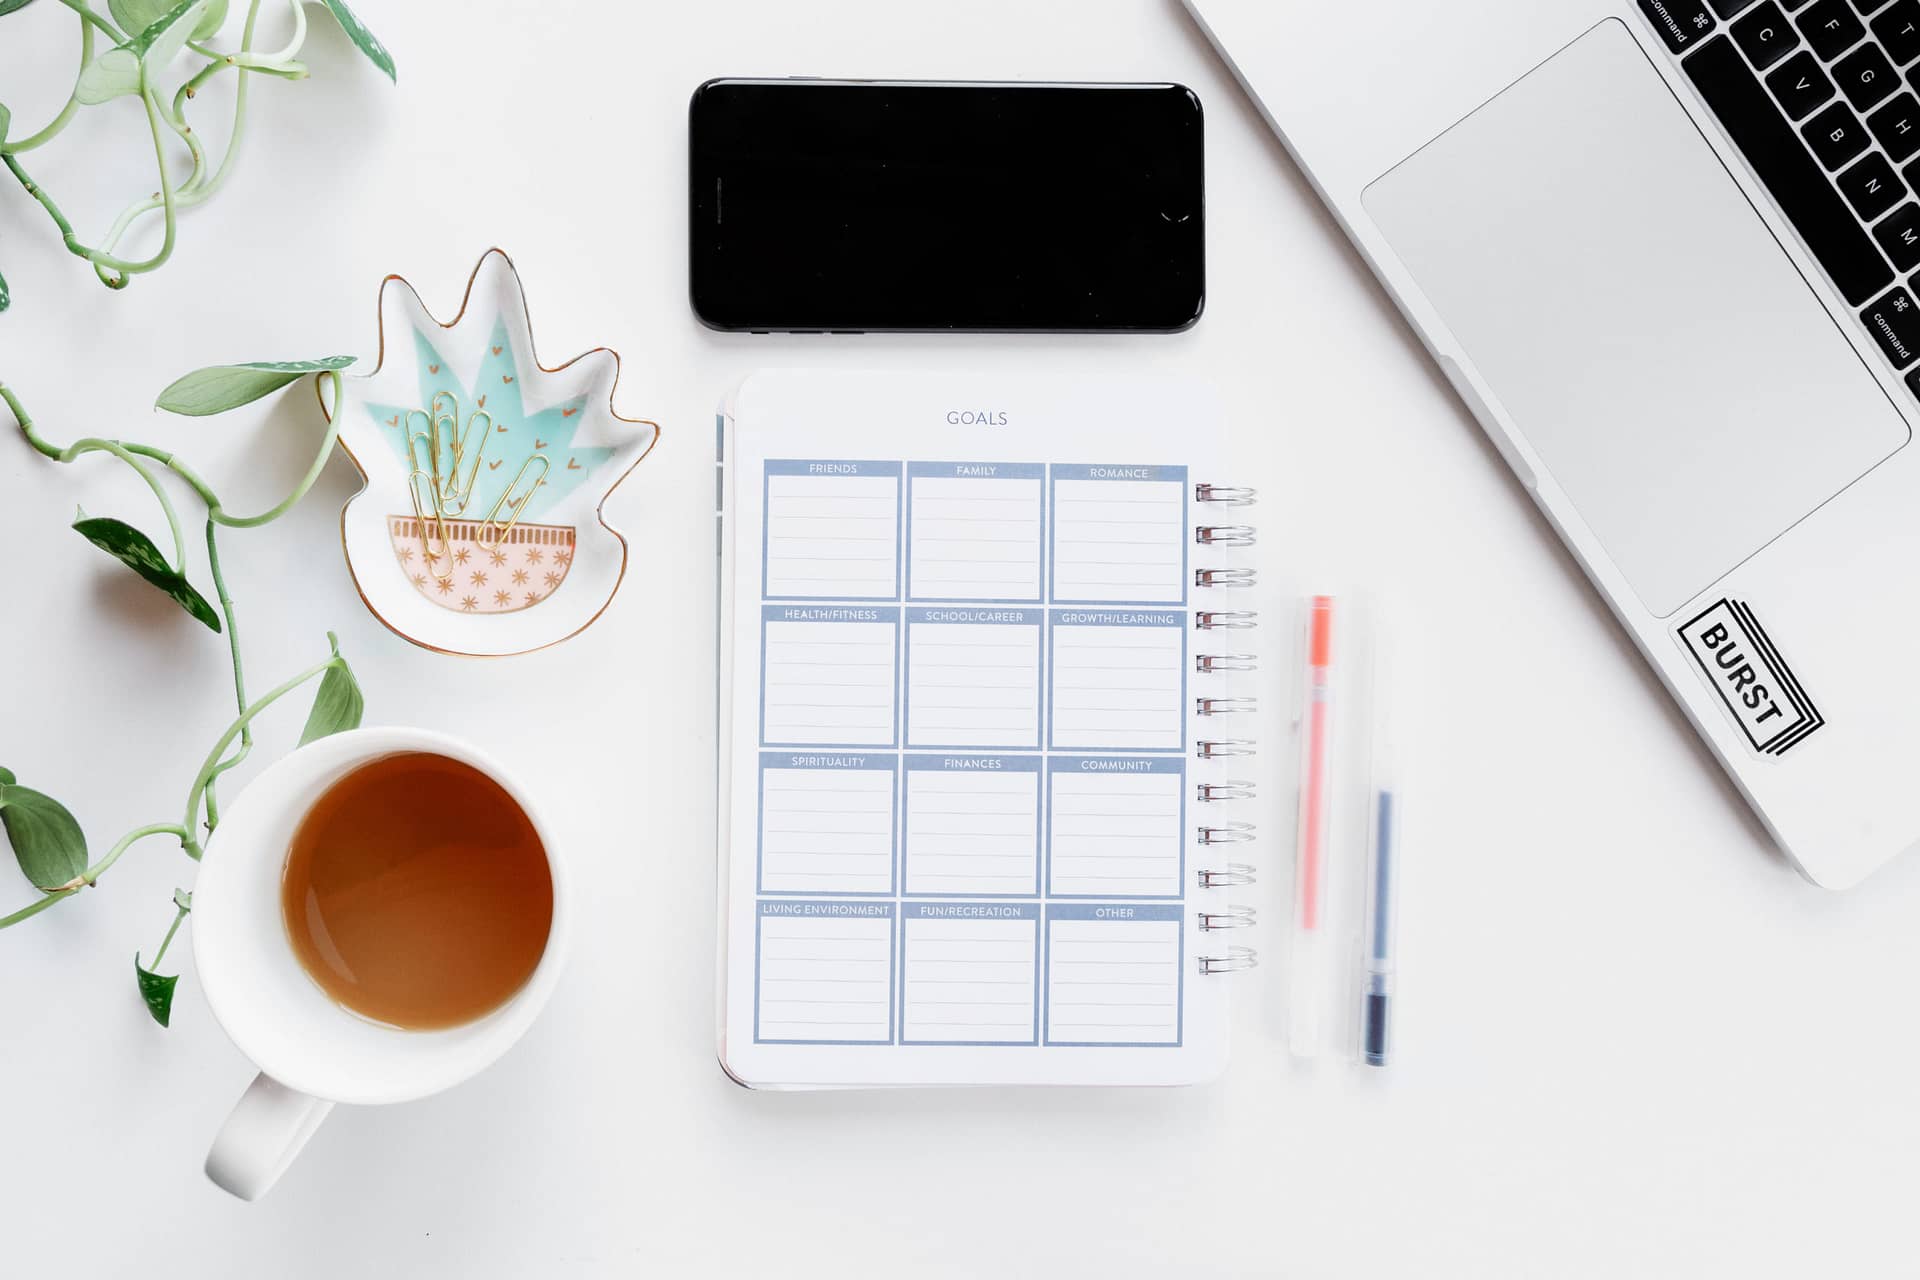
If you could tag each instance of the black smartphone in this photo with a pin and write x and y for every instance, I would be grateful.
(852, 206)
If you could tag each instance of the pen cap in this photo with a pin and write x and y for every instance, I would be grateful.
(1320, 632)
(1373, 1032)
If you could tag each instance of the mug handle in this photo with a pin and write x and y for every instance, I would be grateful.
(266, 1130)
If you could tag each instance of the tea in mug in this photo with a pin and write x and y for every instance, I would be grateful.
(417, 892)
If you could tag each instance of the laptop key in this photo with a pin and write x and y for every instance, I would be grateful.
(1681, 23)
(1868, 6)
(1865, 76)
(1727, 8)
(1871, 187)
(1765, 35)
(1836, 136)
(1899, 235)
(1800, 84)
(1896, 127)
(1898, 30)
(1832, 234)
(1831, 28)
(1894, 322)
(1913, 381)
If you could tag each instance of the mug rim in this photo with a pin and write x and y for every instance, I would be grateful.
(313, 767)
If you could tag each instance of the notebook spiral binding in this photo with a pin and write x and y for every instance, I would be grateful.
(1236, 959)
(1210, 702)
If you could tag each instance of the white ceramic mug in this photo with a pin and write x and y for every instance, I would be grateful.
(312, 1052)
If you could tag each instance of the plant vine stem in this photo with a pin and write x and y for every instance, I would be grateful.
(239, 677)
(104, 261)
(211, 764)
(60, 121)
(216, 516)
(28, 912)
(88, 16)
(98, 869)
(239, 105)
(126, 454)
(179, 914)
(199, 184)
(215, 511)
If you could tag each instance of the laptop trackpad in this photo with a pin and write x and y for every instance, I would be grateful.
(1635, 317)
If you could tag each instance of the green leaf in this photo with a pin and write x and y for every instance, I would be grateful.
(8, 6)
(211, 20)
(110, 75)
(160, 40)
(137, 15)
(136, 550)
(357, 32)
(6, 778)
(6, 298)
(228, 386)
(336, 708)
(47, 842)
(182, 899)
(156, 991)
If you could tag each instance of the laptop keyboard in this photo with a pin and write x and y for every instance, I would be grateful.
(1821, 99)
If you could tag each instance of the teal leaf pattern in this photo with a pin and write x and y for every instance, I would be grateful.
(516, 434)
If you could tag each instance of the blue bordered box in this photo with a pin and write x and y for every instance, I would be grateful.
(989, 809)
(852, 789)
(1170, 769)
(1114, 729)
(825, 977)
(972, 1006)
(849, 535)
(972, 683)
(990, 543)
(859, 653)
(1145, 519)
(1126, 979)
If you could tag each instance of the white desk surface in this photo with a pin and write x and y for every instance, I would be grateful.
(1633, 1041)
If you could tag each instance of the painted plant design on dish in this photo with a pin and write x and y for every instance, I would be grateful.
(479, 529)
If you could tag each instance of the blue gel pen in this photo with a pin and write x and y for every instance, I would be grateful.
(1376, 987)
(1377, 990)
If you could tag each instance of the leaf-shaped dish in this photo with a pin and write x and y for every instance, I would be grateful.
(483, 573)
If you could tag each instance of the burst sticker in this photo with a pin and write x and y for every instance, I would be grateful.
(1740, 661)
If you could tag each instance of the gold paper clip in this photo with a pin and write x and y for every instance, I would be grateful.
(518, 504)
(429, 525)
(416, 438)
(457, 493)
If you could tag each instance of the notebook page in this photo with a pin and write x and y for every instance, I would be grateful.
(960, 848)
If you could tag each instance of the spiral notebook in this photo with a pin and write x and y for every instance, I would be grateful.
(981, 648)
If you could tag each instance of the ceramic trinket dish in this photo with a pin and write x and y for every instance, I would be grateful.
(479, 530)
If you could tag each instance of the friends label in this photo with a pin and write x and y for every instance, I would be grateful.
(1740, 662)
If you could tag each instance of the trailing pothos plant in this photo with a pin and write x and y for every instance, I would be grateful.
(46, 839)
(142, 39)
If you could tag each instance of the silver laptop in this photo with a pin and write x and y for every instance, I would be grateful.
(1665, 249)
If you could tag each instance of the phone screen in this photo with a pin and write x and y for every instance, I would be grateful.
(834, 205)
